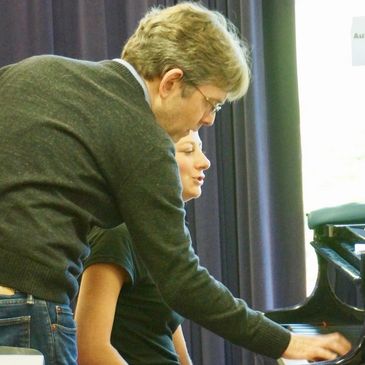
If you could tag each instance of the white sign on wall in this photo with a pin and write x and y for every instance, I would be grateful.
(358, 40)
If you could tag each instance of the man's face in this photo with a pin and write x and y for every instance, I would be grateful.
(179, 113)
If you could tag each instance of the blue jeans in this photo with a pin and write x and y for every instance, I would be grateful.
(48, 327)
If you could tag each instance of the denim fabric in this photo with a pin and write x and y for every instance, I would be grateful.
(45, 326)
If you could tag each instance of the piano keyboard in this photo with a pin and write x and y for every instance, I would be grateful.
(351, 332)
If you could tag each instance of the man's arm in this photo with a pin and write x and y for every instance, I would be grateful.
(150, 201)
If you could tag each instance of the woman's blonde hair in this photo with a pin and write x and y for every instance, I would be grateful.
(201, 42)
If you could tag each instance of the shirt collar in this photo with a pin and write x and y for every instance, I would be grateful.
(134, 72)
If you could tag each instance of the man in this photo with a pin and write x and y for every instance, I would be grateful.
(88, 144)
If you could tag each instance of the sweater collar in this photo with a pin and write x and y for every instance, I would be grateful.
(134, 72)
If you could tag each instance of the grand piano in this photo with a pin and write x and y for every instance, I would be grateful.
(339, 243)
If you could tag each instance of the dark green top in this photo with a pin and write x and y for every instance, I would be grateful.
(143, 323)
(80, 148)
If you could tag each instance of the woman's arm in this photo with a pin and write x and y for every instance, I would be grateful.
(100, 287)
(180, 347)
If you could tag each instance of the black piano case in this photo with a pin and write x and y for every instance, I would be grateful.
(337, 234)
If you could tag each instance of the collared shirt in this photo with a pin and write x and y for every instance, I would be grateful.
(137, 76)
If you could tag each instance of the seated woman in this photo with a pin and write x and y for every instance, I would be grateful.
(120, 315)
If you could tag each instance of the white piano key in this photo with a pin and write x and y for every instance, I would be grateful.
(282, 361)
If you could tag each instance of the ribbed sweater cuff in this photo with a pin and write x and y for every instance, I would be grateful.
(271, 340)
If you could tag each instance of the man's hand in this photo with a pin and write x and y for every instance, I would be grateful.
(316, 348)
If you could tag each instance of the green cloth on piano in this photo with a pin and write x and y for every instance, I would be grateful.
(351, 213)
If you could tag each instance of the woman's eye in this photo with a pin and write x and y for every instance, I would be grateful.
(186, 151)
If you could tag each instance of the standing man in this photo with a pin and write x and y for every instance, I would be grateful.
(88, 144)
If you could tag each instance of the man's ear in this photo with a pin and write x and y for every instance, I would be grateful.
(170, 82)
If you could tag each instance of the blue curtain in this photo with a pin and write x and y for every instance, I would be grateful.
(248, 225)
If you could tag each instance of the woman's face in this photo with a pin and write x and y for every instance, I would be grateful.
(192, 162)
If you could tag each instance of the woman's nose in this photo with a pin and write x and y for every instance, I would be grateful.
(204, 162)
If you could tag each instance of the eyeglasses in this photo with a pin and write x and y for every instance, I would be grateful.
(215, 107)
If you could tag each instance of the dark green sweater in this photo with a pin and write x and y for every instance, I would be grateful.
(80, 147)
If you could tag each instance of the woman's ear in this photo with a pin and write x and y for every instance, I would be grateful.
(170, 82)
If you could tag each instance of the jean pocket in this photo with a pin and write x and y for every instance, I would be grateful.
(65, 319)
(64, 331)
(15, 331)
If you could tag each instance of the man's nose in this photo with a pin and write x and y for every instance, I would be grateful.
(208, 119)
